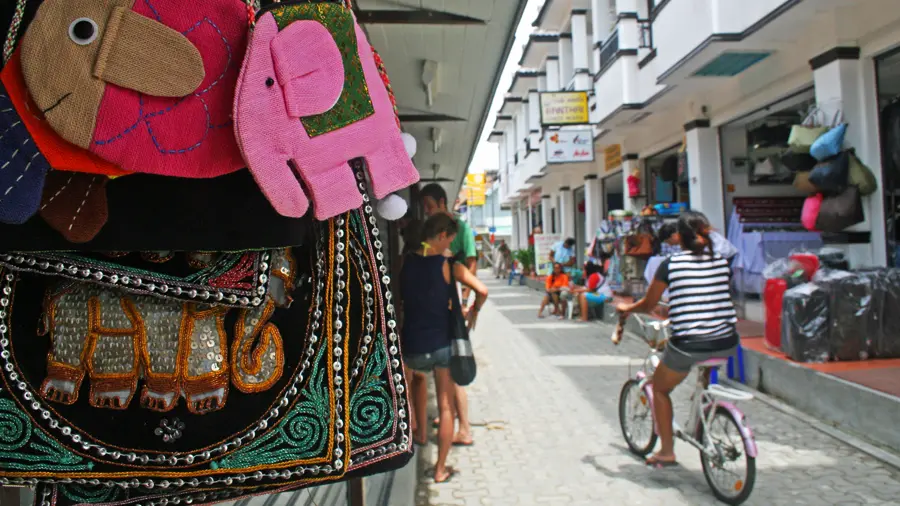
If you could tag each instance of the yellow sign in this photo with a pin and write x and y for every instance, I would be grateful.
(475, 189)
(613, 156)
(565, 108)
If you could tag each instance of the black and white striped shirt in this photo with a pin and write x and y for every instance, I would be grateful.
(700, 305)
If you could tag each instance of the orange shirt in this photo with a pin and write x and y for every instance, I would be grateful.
(557, 281)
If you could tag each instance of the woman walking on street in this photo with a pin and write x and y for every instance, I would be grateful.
(426, 288)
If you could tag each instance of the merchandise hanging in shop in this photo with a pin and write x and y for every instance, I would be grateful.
(174, 326)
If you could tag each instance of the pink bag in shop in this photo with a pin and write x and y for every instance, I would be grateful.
(810, 212)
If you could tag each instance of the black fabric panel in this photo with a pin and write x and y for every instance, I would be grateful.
(153, 213)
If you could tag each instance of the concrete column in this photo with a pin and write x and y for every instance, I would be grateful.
(521, 120)
(523, 226)
(705, 172)
(566, 68)
(845, 83)
(514, 237)
(580, 45)
(528, 219)
(547, 214)
(553, 82)
(566, 212)
(593, 205)
(629, 165)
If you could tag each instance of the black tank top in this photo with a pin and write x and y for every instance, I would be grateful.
(426, 304)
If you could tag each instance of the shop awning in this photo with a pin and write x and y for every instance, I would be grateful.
(444, 60)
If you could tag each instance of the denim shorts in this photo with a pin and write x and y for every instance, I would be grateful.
(427, 362)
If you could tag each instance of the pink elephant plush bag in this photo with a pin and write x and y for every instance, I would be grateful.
(309, 100)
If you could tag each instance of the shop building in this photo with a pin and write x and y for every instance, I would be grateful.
(710, 79)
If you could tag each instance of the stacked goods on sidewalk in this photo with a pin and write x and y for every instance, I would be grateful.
(832, 314)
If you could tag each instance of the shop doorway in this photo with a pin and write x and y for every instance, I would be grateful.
(613, 194)
(888, 81)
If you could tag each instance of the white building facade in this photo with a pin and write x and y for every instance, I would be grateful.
(702, 77)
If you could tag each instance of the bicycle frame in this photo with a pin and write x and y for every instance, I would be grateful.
(704, 403)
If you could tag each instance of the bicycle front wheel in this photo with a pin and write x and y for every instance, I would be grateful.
(730, 472)
(636, 418)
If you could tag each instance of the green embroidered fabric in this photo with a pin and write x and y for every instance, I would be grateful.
(22, 447)
(371, 413)
(302, 434)
(354, 103)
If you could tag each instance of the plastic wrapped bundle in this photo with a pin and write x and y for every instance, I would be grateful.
(887, 342)
(805, 324)
(850, 295)
(833, 258)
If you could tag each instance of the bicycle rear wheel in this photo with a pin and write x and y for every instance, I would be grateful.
(731, 473)
(636, 418)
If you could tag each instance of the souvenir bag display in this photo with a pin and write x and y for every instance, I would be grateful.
(310, 98)
(166, 335)
(683, 169)
(639, 243)
(804, 135)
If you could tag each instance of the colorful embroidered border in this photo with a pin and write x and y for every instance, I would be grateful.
(254, 267)
(172, 460)
(9, 45)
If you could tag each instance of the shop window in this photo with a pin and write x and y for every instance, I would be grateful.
(888, 68)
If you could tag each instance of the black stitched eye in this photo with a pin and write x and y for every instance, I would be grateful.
(270, 82)
(83, 31)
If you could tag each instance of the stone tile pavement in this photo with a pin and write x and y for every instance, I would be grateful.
(546, 407)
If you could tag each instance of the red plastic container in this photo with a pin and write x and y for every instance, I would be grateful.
(808, 262)
(773, 295)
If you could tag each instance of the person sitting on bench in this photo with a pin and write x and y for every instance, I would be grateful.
(557, 284)
(593, 295)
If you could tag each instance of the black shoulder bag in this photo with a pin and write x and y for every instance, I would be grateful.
(462, 359)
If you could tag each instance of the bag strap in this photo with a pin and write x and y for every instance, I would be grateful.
(813, 116)
(9, 45)
(838, 118)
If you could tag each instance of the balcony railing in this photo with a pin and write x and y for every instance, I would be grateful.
(609, 49)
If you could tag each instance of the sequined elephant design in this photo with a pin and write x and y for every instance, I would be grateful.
(309, 100)
(178, 349)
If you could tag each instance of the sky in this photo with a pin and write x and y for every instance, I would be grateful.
(486, 154)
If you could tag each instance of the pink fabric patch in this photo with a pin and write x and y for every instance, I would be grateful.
(270, 138)
(190, 136)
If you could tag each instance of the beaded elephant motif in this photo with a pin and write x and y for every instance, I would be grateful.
(178, 349)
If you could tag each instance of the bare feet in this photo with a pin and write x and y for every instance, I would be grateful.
(444, 475)
(462, 439)
(660, 460)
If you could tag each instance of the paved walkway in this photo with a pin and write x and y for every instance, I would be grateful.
(546, 401)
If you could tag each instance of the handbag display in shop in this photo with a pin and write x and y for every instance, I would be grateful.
(640, 242)
(172, 331)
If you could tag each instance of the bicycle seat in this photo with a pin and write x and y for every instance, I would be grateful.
(713, 362)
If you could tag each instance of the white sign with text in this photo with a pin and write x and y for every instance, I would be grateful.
(569, 146)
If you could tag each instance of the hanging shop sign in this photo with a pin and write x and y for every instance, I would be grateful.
(475, 189)
(613, 157)
(564, 108)
(569, 146)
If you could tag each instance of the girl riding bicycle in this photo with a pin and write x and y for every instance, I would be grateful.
(701, 314)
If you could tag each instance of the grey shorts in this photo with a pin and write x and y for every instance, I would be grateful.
(682, 361)
(427, 362)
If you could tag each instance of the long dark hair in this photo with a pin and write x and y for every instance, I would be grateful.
(412, 236)
(693, 227)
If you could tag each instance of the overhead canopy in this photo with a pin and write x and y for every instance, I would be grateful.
(444, 58)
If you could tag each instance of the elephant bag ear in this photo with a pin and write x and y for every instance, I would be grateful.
(311, 85)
